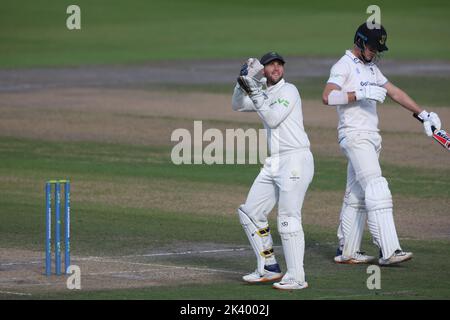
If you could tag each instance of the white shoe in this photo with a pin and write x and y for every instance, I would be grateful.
(397, 257)
(290, 285)
(271, 273)
(357, 258)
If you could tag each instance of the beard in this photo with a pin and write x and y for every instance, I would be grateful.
(271, 81)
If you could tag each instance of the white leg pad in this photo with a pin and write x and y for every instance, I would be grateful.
(340, 232)
(380, 217)
(353, 223)
(260, 240)
(352, 205)
(293, 240)
(353, 220)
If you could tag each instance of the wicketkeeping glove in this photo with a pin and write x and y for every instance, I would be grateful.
(429, 120)
(251, 85)
(252, 68)
(371, 92)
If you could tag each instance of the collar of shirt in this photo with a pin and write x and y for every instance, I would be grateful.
(276, 87)
(355, 59)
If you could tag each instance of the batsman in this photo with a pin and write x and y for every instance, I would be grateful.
(354, 87)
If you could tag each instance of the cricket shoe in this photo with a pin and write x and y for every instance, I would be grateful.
(397, 257)
(290, 285)
(358, 258)
(271, 273)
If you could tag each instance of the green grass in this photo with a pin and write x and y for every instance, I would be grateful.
(100, 228)
(44, 160)
(35, 33)
(426, 91)
(94, 162)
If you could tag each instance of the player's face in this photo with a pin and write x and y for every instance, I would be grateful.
(273, 71)
(370, 53)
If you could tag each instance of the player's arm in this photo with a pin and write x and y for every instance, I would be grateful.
(275, 111)
(272, 111)
(402, 98)
(241, 101)
(333, 95)
(429, 119)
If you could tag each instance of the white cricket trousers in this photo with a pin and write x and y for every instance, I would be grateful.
(362, 150)
(283, 179)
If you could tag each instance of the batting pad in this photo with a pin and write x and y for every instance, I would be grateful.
(380, 218)
(293, 240)
(378, 195)
(260, 240)
(353, 222)
(382, 227)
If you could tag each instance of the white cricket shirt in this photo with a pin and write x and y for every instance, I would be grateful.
(281, 114)
(351, 74)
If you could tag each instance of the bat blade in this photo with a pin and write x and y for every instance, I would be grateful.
(441, 136)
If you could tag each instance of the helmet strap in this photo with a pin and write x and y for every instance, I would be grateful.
(362, 48)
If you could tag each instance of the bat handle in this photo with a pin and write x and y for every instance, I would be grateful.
(415, 115)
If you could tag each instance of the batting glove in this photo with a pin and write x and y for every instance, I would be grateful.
(252, 68)
(371, 92)
(430, 120)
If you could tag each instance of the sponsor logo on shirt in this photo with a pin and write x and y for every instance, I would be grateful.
(283, 102)
(367, 83)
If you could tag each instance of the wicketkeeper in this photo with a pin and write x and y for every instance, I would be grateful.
(286, 174)
(354, 88)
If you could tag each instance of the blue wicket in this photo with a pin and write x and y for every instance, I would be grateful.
(58, 222)
(58, 228)
(67, 226)
(48, 229)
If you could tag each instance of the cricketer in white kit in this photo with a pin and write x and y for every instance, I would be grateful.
(286, 174)
(354, 87)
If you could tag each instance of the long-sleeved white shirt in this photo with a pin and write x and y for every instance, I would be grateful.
(282, 116)
(351, 74)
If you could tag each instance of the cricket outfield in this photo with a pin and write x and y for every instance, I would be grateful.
(98, 106)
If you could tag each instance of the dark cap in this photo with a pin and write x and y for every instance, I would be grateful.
(271, 56)
(375, 38)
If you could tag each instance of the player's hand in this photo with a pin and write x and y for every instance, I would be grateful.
(429, 120)
(252, 68)
(371, 92)
(251, 85)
